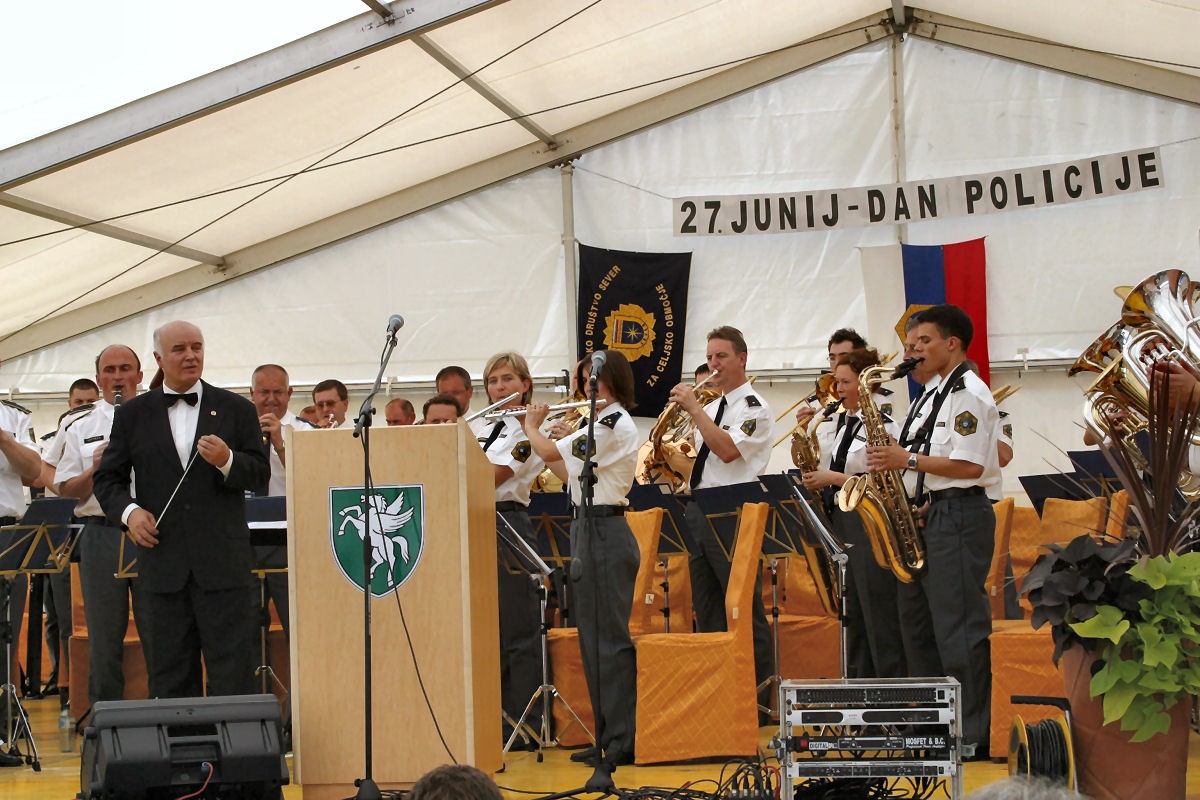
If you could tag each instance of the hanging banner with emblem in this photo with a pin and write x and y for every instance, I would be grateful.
(636, 303)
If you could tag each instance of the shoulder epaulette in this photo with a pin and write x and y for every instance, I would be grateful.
(1003, 414)
(753, 401)
(610, 421)
(17, 406)
(887, 416)
(883, 390)
(301, 422)
(48, 436)
(75, 410)
(961, 383)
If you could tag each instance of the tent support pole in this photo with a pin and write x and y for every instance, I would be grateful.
(567, 171)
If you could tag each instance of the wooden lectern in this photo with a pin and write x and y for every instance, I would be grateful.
(449, 602)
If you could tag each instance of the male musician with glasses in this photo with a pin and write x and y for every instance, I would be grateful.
(950, 441)
(332, 400)
(193, 450)
(733, 440)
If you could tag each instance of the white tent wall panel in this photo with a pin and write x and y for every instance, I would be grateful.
(484, 273)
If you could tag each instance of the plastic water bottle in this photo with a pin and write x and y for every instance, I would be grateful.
(66, 731)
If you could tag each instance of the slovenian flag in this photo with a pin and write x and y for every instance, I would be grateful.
(903, 279)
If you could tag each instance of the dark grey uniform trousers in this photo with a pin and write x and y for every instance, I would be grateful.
(946, 615)
(520, 630)
(106, 609)
(602, 592)
(874, 644)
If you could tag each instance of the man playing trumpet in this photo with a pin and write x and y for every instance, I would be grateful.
(733, 437)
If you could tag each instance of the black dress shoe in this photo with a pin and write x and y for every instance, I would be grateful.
(619, 759)
(587, 755)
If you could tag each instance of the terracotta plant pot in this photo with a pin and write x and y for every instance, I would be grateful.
(1110, 767)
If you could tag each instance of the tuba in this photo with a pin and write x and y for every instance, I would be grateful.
(667, 457)
(1158, 323)
(879, 498)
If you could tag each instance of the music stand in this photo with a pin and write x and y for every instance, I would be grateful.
(49, 553)
(550, 514)
(672, 540)
(29, 546)
(525, 558)
(1060, 485)
(1093, 470)
(267, 519)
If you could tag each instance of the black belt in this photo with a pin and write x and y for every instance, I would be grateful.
(950, 494)
(509, 505)
(599, 511)
(95, 520)
(8, 520)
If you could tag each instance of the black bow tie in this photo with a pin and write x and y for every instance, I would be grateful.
(191, 398)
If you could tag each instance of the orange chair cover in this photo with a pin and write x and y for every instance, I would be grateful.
(996, 575)
(696, 692)
(1021, 664)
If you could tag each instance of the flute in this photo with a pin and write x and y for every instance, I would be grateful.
(517, 412)
(496, 404)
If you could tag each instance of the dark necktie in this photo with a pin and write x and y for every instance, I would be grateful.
(191, 398)
(702, 456)
(838, 464)
(495, 434)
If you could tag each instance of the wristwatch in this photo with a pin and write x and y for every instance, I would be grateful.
(912, 461)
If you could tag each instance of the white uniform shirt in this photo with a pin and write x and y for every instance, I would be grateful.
(615, 453)
(81, 435)
(856, 455)
(278, 484)
(995, 482)
(748, 421)
(18, 422)
(965, 430)
(511, 449)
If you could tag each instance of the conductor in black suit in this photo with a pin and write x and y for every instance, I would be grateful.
(194, 558)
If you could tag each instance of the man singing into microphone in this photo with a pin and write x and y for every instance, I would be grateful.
(195, 449)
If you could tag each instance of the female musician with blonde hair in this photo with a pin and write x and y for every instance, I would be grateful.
(604, 558)
(515, 466)
(874, 647)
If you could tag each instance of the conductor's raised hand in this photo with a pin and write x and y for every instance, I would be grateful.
(142, 528)
(212, 448)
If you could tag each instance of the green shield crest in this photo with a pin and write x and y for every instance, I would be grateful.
(394, 533)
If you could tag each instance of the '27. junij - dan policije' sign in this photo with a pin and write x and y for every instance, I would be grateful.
(917, 201)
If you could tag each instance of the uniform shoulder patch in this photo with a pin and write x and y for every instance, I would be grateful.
(886, 410)
(522, 451)
(581, 448)
(753, 401)
(749, 427)
(965, 424)
(17, 406)
(611, 420)
(1007, 428)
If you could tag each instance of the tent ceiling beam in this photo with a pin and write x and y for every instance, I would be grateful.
(412, 200)
(1100, 67)
(104, 229)
(201, 96)
(483, 90)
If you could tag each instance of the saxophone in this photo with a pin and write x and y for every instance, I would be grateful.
(879, 498)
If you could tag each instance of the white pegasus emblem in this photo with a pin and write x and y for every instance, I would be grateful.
(386, 520)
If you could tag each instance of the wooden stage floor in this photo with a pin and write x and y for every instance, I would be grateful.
(523, 777)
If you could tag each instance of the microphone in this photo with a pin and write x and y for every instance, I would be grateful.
(395, 323)
(598, 359)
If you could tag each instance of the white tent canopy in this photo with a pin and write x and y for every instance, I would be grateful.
(422, 147)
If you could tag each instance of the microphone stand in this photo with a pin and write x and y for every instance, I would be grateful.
(367, 788)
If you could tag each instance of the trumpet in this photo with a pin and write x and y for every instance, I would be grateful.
(485, 411)
(519, 412)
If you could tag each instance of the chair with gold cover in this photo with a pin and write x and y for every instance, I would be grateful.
(696, 691)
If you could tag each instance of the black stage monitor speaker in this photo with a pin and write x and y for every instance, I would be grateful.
(230, 746)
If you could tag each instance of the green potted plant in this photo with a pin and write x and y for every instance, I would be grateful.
(1124, 614)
